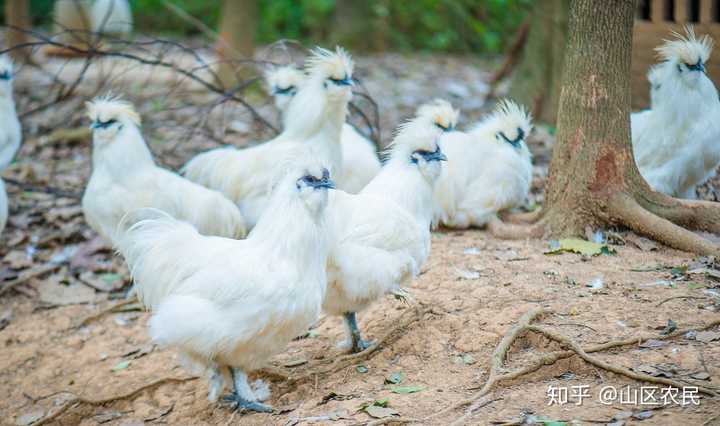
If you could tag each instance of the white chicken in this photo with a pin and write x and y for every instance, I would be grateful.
(10, 133)
(381, 236)
(360, 161)
(228, 305)
(675, 143)
(489, 169)
(314, 121)
(111, 17)
(125, 178)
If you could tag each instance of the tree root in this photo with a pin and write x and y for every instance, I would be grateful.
(96, 402)
(523, 218)
(496, 363)
(630, 213)
(524, 324)
(508, 231)
(691, 214)
(575, 347)
(319, 370)
(27, 276)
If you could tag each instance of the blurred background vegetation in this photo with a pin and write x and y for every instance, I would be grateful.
(457, 26)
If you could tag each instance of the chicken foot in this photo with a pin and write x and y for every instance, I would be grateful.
(243, 396)
(358, 344)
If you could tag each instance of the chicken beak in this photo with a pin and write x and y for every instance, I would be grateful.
(345, 82)
(95, 125)
(324, 183)
(437, 155)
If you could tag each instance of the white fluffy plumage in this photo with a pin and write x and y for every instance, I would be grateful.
(10, 132)
(360, 162)
(228, 305)
(489, 168)
(381, 236)
(125, 178)
(675, 142)
(111, 17)
(314, 122)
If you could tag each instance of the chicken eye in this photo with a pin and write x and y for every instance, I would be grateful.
(290, 90)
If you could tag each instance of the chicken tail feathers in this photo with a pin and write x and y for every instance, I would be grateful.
(150, 240)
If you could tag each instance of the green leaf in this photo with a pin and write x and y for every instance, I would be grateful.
(362, 369)
(395, 378)
(468, 359)
(575, 245)
(120, 366)
(381, 402)
(407, 389)
(110, 278)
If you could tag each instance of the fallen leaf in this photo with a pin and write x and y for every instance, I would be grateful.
(380, 412)
(464, 274)
(295, 362)
(574, 245)
(707, 336)
(103, 282)
(407, 389)
(468, 359)
(652, 343)
(394, 378)
(18, 259)
(669, 328)
(642, 415)
(471, 250)
(29, 418)
(139, 351)
(120, 366)
(5, 318)
(700, 376)
(596, 283)
(362, 369)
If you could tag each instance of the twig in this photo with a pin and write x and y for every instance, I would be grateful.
(45, 190)
(681, 297)
(93, 317)
(95, 402)
(512, 54)
(33, 273)
(390, 420)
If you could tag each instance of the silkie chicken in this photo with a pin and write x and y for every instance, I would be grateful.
(10, 133)
(489, 169)
(228, 305)
(314, 122)
(381, 236)
(675, 142)
(125, 178)
(360, 161)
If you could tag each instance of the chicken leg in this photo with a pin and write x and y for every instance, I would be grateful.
(358, 344)
(243, 396)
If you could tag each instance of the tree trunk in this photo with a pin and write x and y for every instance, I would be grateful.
(536, 81)
(593, 179)
(17, 14)
(351, 24)
(237, 40)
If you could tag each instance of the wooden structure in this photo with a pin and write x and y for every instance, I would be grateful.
(654, 21)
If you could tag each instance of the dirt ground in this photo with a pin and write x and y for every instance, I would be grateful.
(68, 358)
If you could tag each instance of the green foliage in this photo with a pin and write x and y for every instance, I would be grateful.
(425, 25)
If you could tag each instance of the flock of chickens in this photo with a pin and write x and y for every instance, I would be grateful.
(242, 253)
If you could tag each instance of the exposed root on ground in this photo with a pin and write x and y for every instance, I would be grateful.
(78, 400)
(523, 218)
(630, 213)
(509, 231)
(321, 369)
(30, 274)
(524, 325)
(691, 214)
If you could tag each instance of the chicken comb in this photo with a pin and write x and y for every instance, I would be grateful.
(284, 77)
(440, 112)
(111, 106)
(337, 64)
(687, 48)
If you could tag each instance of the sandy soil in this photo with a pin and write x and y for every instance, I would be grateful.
(473, 290)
